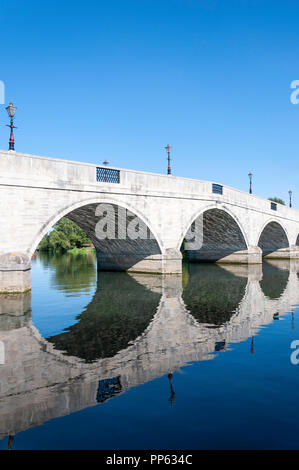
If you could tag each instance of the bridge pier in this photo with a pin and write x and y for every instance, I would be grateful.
(253, 255)
(168, 263)
(291, 252)
(15, 271)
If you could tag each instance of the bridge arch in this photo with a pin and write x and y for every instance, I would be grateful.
(121, 253)
(195, 216)
(273, 237)
(222, 235)
(84, 202)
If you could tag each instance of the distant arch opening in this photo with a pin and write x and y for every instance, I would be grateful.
(221, 239)
(272, 239)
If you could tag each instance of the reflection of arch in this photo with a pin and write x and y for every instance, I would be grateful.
(234, 316)
(117, 319)
(85, 202)
(213, 294)
(221, 237)
(274, 281)
(201, 212)
(171, 340)
(273, 237)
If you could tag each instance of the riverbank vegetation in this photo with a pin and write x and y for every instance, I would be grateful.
(66, 236)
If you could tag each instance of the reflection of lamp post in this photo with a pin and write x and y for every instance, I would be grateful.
(10, 441)
(172, 396)
(252, 345)
(250, 182)
(11, 111)
(168, 148)
(293, 323)
(290, 194)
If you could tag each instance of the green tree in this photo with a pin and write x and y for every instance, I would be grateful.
(44, 244)
(277, 199)
(64, 235)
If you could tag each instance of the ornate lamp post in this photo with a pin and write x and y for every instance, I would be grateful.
(11, 111)
(250, 182)
(168, 148)
(290, 195)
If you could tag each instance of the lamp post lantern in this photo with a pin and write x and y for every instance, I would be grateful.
(250, 182)
(290, 194)
(11, 111)
(168, 149)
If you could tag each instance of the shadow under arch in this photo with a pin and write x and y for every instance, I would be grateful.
(274, 281)
(119, 312)
(273, 237)
(213, 294)
(120, 252)
(221, 237)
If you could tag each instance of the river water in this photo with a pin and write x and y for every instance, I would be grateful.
(206, 360)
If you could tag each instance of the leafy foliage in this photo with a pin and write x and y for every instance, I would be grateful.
(65, 235)
(277, 199)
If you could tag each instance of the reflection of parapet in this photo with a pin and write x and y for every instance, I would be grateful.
(39, 383)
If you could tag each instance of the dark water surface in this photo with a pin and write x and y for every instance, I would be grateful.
(135, 361)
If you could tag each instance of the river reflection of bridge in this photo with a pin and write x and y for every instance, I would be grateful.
(136, 328)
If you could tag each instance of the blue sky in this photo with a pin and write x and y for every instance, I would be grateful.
(120, 79)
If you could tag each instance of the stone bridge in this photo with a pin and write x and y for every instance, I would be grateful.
(39, 381)
(151, 216)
